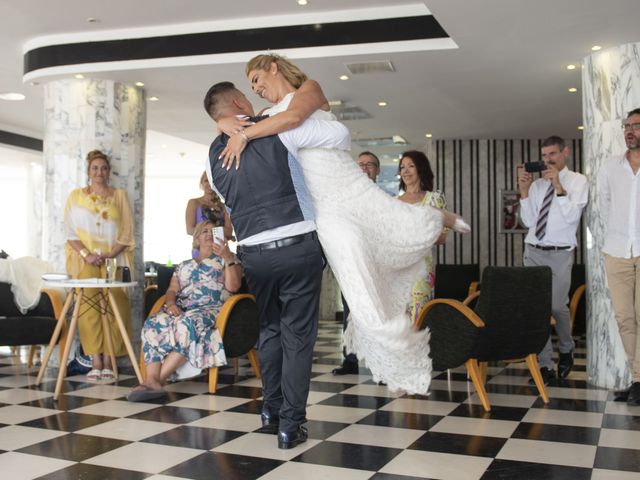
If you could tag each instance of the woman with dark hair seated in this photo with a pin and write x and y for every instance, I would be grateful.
(185, 330)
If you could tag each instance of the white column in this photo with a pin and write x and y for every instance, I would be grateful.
(80, 116)
(611, 87)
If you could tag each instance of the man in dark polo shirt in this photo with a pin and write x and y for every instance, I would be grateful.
(278, 246)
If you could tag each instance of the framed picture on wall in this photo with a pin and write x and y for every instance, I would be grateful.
(510, 221)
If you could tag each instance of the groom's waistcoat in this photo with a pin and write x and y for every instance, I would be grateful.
(260, 195)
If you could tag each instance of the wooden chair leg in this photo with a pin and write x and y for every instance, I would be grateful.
(32, 353)
(483, 372)
(534, 369)
(213, 379)
(474, 373)
(234, 365)
(255, 363)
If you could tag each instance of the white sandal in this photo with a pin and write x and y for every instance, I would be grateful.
(107, 374)
(94, 375)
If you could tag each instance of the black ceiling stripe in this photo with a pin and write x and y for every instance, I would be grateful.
(255, 39)
(22, 141)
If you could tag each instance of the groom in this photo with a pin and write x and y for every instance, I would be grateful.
(273, 218)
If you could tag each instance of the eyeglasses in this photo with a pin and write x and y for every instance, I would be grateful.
(368, 165)
(631, 126)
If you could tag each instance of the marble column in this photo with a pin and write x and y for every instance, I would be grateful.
(80, 116)
(611, 87)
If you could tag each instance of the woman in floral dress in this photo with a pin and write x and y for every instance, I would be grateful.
(99, 225)
(416, 181)
(185, 330)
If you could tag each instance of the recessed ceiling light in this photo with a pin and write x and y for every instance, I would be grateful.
(573, 90)
(580, 127)
(571, 67)
(92, 20)
(335, 103)
(139, 84)
(153, 99)
(344, 77)
(382, 104)
(79, 76)
(303, 2)
(595, 48)
(428, 135)
(12, 96)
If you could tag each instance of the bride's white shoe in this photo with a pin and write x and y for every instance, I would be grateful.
(461, 226)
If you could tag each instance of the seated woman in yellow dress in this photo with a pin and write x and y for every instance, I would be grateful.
(99, 225)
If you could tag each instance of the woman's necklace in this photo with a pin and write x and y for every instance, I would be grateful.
(100, 205)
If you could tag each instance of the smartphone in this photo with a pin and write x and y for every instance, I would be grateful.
(218, 234)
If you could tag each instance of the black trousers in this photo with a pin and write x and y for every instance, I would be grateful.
(286, 282)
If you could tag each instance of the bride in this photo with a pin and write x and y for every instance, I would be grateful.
(375, 244)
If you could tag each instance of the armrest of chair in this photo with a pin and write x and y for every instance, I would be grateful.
(150, 288)
(56, 301)
(474, 287)
(157, 306)
(455, 304)
(575, 301)
(223, 316)
(472, 296)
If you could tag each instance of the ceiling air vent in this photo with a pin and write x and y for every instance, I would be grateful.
(357, 68)
(381, 141)
(343, 113)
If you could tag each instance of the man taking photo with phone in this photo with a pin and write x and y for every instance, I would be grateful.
(551, 208)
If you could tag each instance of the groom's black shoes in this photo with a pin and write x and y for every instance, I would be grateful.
(346, 368)
(270, 422)
(565, 363)
(291, 439)
(634, 394)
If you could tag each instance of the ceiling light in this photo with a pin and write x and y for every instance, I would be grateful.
(303, 2)
(92, 20)
(398, 139)
(571, 67)
(428, 135)
(79, 76)
(344, 77)
(580, 127)
(382, 104)
(139, 84)
(573, 90)
(595, 48)
(335, 103)
(12, 96)
(153, 99)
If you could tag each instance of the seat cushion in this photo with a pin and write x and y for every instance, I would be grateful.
(26, 330)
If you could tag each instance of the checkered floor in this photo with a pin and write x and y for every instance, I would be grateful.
(357, 429)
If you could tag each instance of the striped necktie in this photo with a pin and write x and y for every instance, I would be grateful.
(541, 225)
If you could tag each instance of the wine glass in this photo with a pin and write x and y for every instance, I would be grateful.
(111, 266)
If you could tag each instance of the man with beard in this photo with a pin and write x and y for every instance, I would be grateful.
(619, 198)
(551, 208)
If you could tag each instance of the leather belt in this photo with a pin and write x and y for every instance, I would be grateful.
(547, 248)
(283, 242)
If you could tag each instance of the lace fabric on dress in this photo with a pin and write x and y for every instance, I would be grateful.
(375, 246)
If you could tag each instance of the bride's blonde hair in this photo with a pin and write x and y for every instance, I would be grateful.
(289, 71)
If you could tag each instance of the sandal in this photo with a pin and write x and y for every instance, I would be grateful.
(94, 375)
(107, 374)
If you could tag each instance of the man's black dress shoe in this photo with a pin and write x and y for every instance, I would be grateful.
(547, 374)
(346, 369)
(565, 363)
(291, 439)
(621, 395)
(634, 394)
(270, 421)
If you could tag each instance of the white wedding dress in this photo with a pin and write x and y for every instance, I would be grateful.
(375, 245)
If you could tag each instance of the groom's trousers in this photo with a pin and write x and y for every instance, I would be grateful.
(286, 282)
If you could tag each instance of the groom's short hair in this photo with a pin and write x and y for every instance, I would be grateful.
(218, 98)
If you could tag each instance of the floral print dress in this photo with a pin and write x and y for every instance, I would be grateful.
(192, 334)
(422, 290)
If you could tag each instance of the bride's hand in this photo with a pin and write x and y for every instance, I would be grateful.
(231, 125)
(231, 153)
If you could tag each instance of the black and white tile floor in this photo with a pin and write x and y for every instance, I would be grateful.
(357, 429)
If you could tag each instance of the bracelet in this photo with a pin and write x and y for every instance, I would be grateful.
(84, 253)
(231, 264)
(244, 135)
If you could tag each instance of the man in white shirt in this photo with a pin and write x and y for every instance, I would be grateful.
(619, 198)
(551, 208)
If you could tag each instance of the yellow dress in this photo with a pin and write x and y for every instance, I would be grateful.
(422, 290)
(99, 223)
